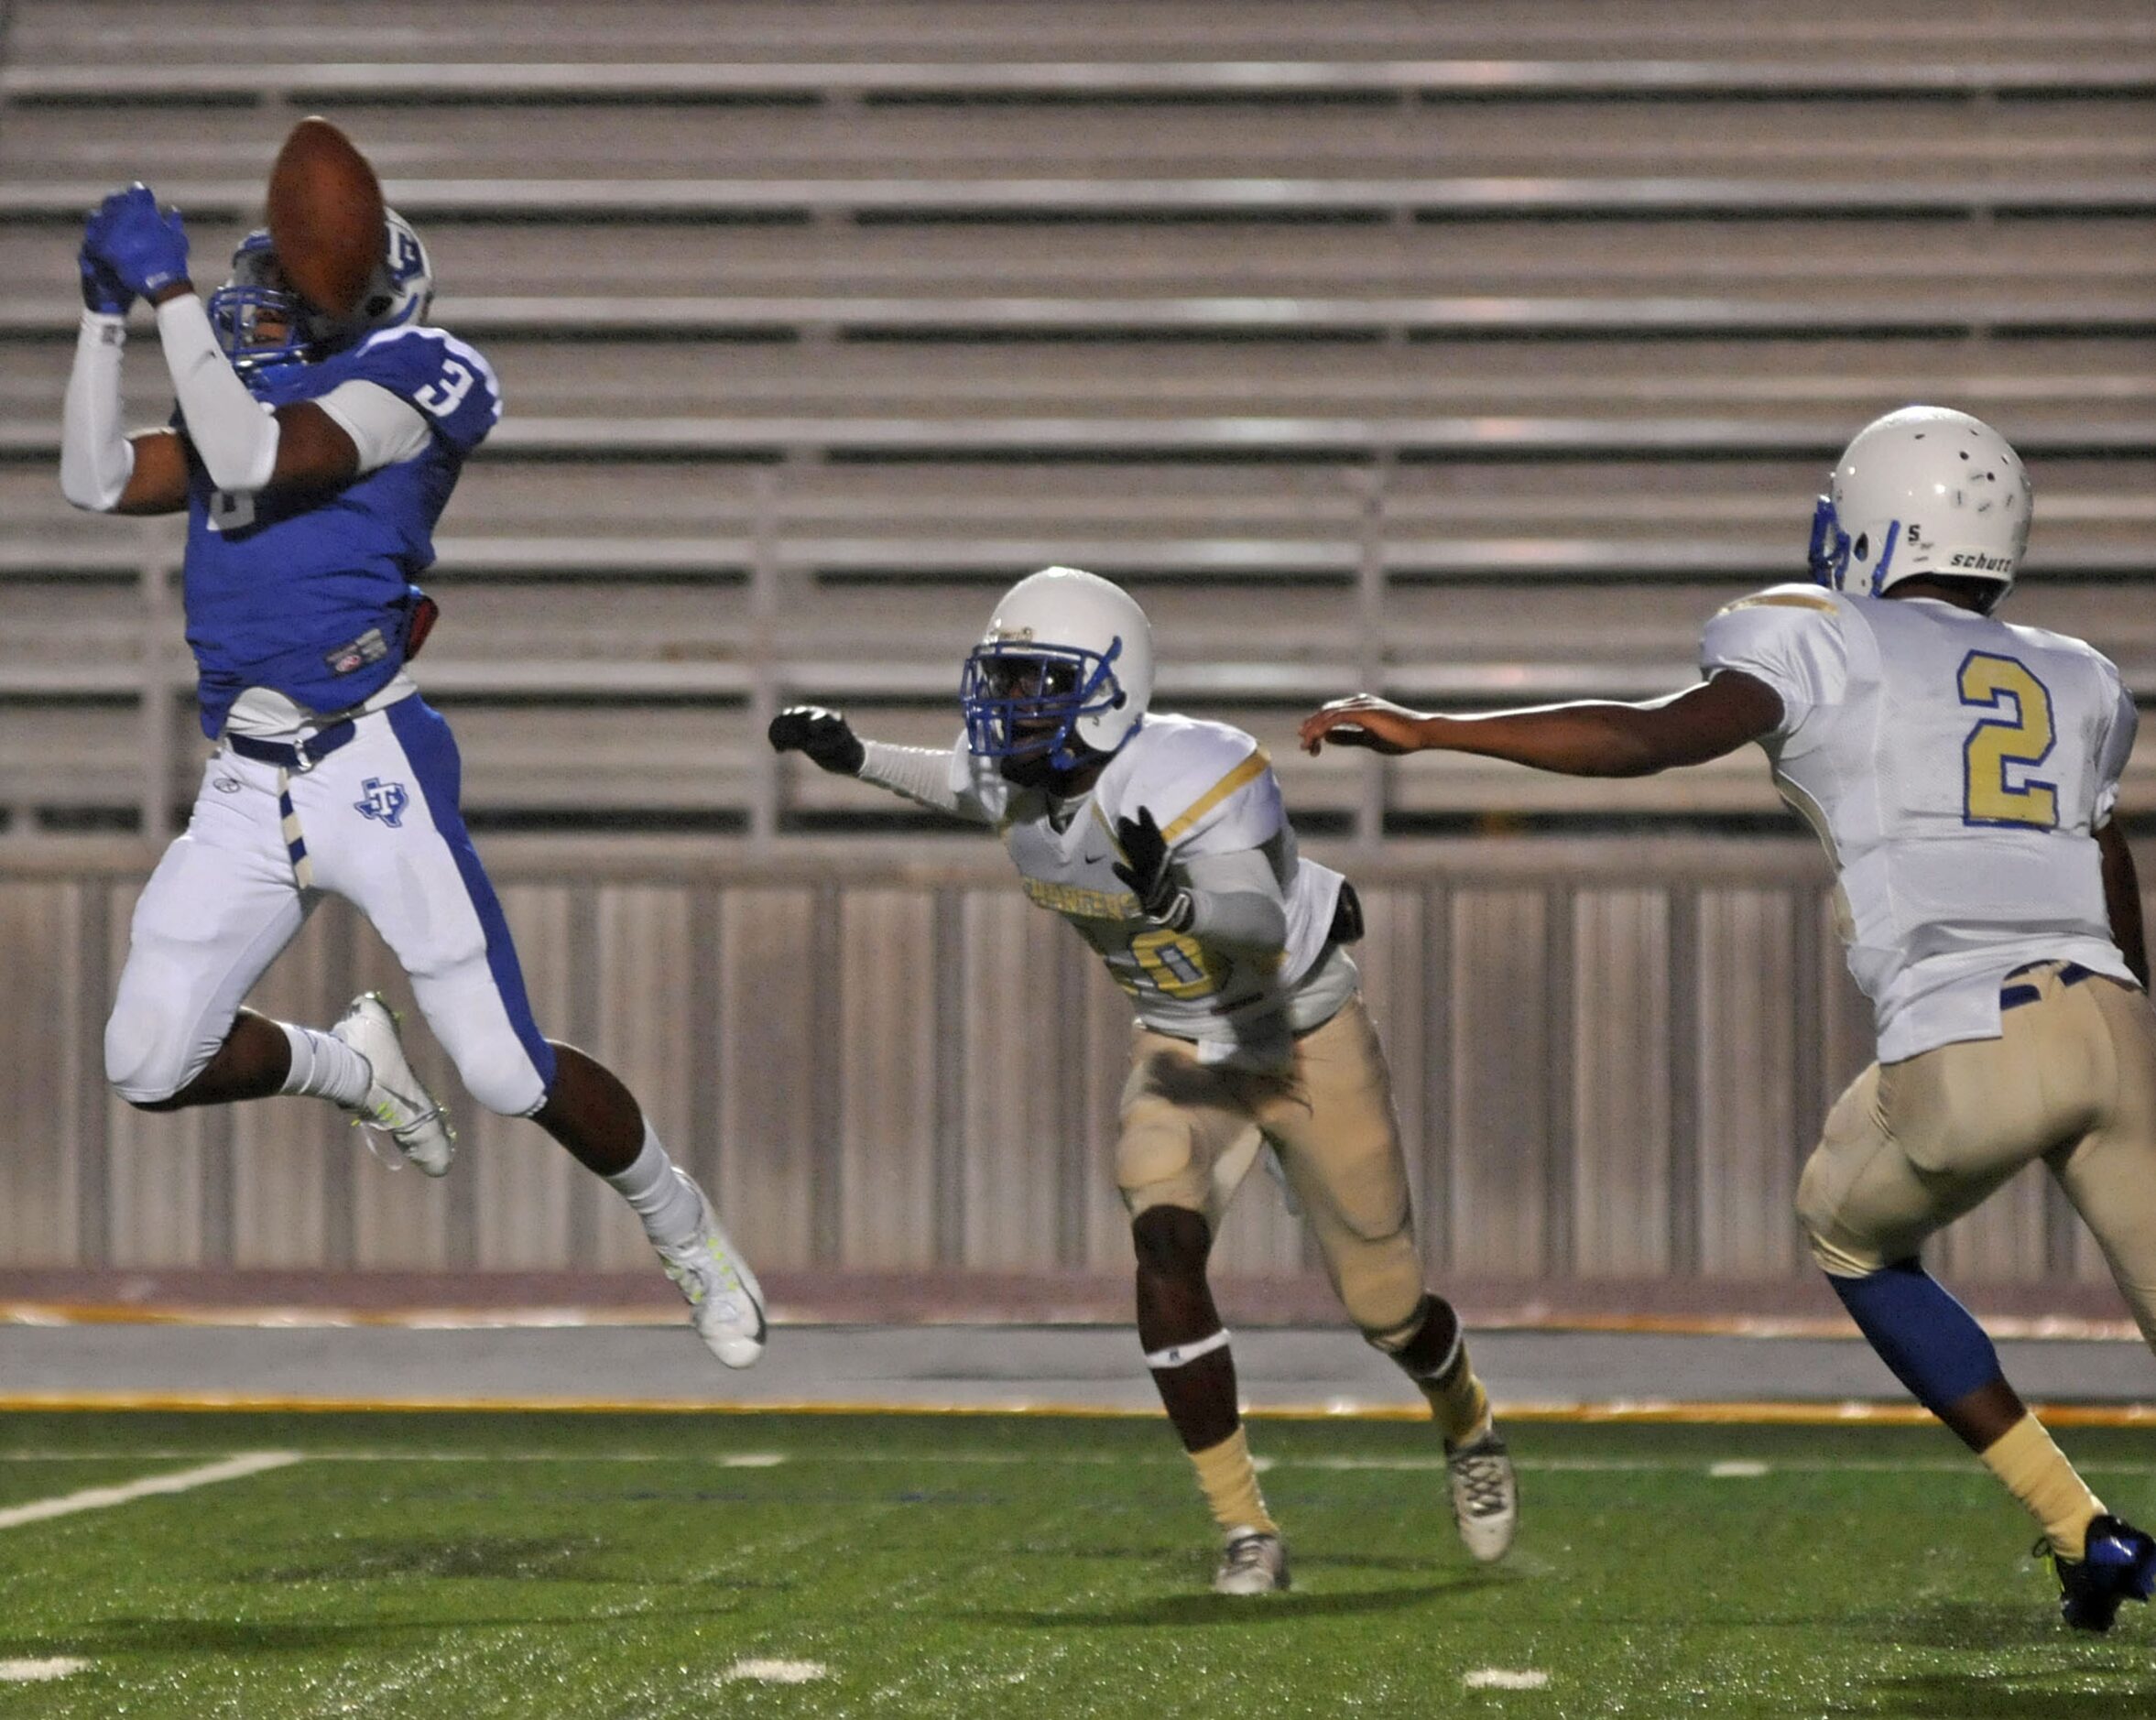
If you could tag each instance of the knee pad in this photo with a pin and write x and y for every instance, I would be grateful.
(1380, 1284)
(147, 1060)
(1171, 1240)
(1834, 1249)
(499, 1073)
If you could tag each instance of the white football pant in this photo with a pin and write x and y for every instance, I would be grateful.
(377, 823)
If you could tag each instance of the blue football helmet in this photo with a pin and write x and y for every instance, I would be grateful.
(260, 321)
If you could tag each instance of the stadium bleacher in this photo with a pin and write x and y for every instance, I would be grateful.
(1474, 356)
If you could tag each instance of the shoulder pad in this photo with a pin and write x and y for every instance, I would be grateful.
(1183, 770)
(1797, 596)
(447, 378)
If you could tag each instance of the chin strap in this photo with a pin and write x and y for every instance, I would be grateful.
(1879, 574)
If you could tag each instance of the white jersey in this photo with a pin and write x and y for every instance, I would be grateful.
(1956, 768)
(1210, 789)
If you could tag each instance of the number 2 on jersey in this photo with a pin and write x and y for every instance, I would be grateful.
(2019, 732)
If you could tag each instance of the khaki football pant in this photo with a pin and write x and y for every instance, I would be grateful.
(2072, 1080)
(1191, 1131)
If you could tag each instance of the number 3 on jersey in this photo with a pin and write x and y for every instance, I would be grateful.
(2019, 732)
(443, 396)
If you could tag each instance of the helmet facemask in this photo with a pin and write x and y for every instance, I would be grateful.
(1024, 701)
(257, 316)
(1832, 549)
(261, 319)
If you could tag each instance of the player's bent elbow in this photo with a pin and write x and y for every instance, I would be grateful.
(241, 475)
(84, 491)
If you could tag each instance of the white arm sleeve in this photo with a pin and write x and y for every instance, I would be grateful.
(922, 773)
(95, 458)
(234, 435)
(386, 429)
(1236, 898)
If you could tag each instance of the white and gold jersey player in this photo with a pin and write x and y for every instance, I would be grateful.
(1163, 841)
(1963, 773)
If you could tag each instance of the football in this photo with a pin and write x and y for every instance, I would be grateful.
(325, 216)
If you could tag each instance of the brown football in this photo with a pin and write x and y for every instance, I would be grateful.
(325, 216)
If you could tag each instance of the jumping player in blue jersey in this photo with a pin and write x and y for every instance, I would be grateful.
(313, 454)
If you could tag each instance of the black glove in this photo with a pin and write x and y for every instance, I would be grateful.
(824, 736)
(1144, 867)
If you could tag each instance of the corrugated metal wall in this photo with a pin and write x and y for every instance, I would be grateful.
(1609, 1065)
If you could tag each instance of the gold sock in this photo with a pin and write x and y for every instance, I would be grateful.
(1457, 1400)
(2036, 1472)
(1230, 1482)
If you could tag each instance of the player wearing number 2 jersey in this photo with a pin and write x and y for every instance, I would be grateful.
(1163, 842)
(1963, 774)
(313, 454)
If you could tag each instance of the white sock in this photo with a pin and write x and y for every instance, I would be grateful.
(667, 1203)
(324, 1067)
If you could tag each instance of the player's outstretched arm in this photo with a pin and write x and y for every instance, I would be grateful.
(2122, 901)
(824, 738)
(1591, 739)
(921, 774)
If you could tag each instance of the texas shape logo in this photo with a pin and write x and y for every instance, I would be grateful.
(384, 801)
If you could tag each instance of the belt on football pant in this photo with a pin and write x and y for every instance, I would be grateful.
(2014, 996)
(308, 754)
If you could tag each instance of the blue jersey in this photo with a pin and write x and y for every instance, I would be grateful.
(308, 594)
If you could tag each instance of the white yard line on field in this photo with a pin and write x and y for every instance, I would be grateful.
(1499, 1678)
(38, 1672)
(150, 1486)
(774, 1672)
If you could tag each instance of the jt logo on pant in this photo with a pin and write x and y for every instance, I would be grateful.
(384, 801)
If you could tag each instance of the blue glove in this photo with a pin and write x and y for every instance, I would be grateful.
(103, 290)
(143, 245)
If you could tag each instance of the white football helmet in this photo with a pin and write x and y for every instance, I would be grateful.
(1064, 669)
(1926, 490)
(403, 285)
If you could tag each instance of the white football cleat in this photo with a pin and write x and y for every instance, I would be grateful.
(1253, 1563)
(398, 1104)
(1486, 1494)
(724, 1299)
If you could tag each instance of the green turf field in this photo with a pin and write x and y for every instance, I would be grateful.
(459, 1566)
